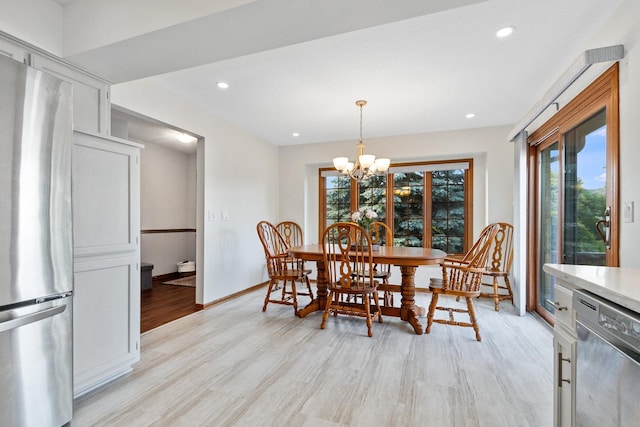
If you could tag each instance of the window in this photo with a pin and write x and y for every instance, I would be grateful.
(372, 194)
(337, 199)
(441, 220)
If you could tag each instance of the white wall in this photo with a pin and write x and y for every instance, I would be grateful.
(240, 177)
(167, 201)
(624, 28)
(38, 22)
(492, 173)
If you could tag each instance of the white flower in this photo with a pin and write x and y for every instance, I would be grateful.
(364, 217)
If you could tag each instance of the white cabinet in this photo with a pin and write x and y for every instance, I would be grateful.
(106, 327)
(564, 349)
(13, 50)
(91, 107)
(564, 346)
(106, 209)
(91, 104)
(106, 191)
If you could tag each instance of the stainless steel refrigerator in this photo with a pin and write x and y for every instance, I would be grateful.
(36, 252)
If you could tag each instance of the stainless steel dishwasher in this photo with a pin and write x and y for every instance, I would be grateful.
(607, 363)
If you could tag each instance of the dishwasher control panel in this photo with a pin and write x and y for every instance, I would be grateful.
(606, 317)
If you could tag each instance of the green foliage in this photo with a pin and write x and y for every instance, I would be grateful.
(446, 200)
(590, 208)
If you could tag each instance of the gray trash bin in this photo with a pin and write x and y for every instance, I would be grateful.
(146, 270)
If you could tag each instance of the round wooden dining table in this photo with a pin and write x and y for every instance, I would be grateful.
(407, 258)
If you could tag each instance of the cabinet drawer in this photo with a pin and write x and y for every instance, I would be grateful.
(564, 307)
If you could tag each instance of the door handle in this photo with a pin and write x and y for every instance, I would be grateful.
(560, 379)
(603, 227)
(31, 318)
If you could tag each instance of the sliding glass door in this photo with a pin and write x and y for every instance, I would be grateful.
(585, 198)
(549, 161)
(575, 186)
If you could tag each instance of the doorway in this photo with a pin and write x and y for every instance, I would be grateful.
(574, 183)
(168, 181)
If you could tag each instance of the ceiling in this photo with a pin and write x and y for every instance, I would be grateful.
(419, 74)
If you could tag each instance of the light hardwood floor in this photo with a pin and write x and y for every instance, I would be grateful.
(233, 365)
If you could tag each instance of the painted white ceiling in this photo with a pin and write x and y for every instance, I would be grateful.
(418, 74)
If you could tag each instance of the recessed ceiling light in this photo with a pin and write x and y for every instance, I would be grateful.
(185, 138)
(506, 31)
(470, 115)
(222, 85)
(295, 134)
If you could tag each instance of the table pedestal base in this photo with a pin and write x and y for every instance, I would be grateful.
(407, 312)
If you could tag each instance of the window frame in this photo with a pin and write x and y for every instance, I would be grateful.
(390, 207)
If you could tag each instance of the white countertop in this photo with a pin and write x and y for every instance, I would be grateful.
(617, 284)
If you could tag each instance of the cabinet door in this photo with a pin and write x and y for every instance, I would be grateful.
(106, 322)
(106, 196)
(12, 50)
(91, 109)
(564, 378)
(106, 211)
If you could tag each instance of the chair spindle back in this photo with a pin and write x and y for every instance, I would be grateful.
(347, 257)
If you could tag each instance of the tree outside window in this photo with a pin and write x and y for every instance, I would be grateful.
(337, 193)
(442, 220)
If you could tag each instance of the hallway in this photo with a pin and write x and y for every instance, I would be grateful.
(165, 303)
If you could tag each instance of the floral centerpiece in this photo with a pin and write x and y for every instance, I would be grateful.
(364, 217)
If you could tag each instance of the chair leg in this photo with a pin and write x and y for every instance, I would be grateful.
(387, 295)
(266, 299)
(432, 310)
(376, 299)
(325, 315)
(294, 295)
(508, 284)
(472, 316)
(496, 295)
(367, 308)
(306, 279)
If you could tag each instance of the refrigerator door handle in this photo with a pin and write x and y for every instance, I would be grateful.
(30, 318)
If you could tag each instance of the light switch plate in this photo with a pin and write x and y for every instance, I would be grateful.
(627, 212)
(224, 215)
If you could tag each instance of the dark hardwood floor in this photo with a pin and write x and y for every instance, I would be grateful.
(164, 303)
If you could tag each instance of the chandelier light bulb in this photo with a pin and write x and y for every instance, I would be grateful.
(340, 163)
(382, 165)
(366, 160)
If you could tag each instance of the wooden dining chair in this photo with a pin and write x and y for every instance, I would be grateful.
(292, 234)
(381, 234)
(499, 266)
(349, 269)
(461, 277)
(281, 267)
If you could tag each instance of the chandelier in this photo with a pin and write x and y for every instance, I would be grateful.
(366, 165)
